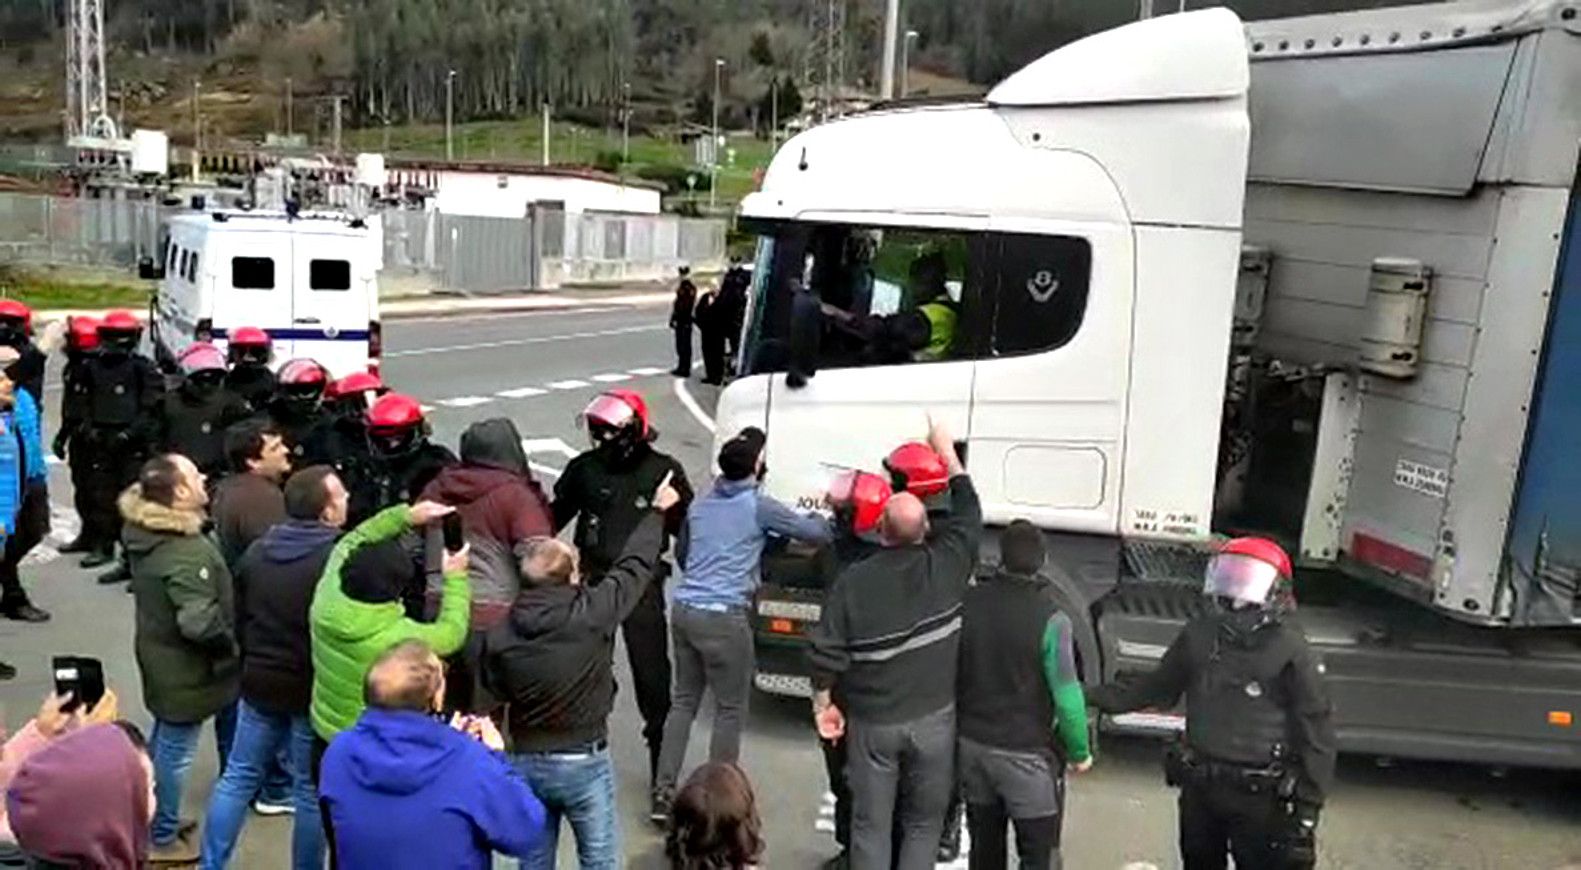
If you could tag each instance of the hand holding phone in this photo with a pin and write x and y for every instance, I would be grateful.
(455, 534)
(81, 678)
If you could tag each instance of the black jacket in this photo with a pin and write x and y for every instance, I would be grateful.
(244, 507)
(307, 436)
(1250, 698)
(194, 425)
(381, 482)
(74, 396)
(552, 661)
(275, 580)
(254, 384)
(890, 634)
(122, 398)
(685, 301)
(608, 498)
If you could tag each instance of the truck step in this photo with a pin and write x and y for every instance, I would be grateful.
(1158, 562)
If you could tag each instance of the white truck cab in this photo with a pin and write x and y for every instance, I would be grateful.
(310, 281)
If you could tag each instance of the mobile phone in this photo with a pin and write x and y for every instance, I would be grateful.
(82, 678)
(455, 536)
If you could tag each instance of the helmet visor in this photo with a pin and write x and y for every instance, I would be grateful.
(609, 411)
(1240, 578)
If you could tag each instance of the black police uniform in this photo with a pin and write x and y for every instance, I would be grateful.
(1259, 749)
(389, 480)
(122, 393)
(681, 323)
(71, 442)
(608, 494)
(193, 421)
(306, 433)
(253, 382)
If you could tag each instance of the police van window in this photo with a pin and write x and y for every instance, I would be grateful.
(186, 256)
(192, 267)
(329, 274)
(252, 273)
(1042, 293)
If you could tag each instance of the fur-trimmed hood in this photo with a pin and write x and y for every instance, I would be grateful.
(154, 517)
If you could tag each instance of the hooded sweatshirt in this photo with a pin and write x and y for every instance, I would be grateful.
(275, 580)
(82, 801)
(405, 790)
(500, 506)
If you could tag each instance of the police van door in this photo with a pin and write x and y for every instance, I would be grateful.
(892, 312)
(250, 272)
(332, 283)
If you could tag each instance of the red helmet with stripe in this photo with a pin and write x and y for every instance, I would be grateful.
(13, 310)
(82, 332)
(356, 382)
(918, 469)
(200, 356)
(618, 409)
(251, 345)
(120, 320)
(394, 412)
(861, 496)
(250, 336)
(303, 372)
(1248, 571)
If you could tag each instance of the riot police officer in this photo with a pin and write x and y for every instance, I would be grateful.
(606, 491)
(401, 459)
(82, 342)
(347, 402)
(122, 389)
(1258, 754)
(16, 331)
(249, 353)
(194, 416)
(297, 410)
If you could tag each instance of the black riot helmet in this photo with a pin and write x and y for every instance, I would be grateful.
(301, 384)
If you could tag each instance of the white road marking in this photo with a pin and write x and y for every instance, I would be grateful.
(696, 410)
(546, 470)
(649, 371)
(572, 384)
(548, 445)
(521, 393)
(507, 313)
(426, 409)
(612, 378)
(518, 342)
(465, 401)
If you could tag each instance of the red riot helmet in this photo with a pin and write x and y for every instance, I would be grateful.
(918, 469)
(617, 421)
(859, 496)
(396, 425)
(1248, 573)
(120, 331)
(16, 319)
(355, 393)
(249, 344)
(82, 333)
(199, 357)
(301, 384)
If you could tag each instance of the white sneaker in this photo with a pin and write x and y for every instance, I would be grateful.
(267, 808)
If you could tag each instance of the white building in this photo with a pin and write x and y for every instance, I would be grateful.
(507, 189)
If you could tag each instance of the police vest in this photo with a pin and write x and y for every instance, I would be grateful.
(941, 330)
(118, 390)
(1238, 704)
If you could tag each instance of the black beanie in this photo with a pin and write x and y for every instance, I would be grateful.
(738, 459)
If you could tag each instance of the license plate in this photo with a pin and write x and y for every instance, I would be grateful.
(800, 611)
(780, 684)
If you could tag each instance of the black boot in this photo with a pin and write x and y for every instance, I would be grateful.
(7, 672)
(119, 574)
(78, 544)
(23, 612)
(98, 557)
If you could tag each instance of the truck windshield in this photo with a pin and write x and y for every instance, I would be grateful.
(847, 296)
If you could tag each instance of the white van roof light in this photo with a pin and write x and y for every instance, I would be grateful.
(1194, 55)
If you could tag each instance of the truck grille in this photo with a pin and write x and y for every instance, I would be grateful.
(1156, 562)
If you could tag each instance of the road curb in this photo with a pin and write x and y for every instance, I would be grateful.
(451, 306)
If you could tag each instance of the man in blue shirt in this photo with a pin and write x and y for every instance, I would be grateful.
(26, 519)
(721, 551)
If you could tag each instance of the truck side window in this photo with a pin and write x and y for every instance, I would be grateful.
(192, 268)
(329, 274)
(1042, 293)
(186, 257)
(252, 273)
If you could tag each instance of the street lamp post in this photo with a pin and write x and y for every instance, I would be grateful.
(713, 175)
(450, 101)
(905, 63)
(891, 36)
(625, 128)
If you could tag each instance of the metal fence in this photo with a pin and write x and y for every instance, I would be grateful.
(459, 253)
(611, 248)
(52, 230)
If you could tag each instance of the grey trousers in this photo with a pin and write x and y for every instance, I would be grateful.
(712, 651)
(901, 778)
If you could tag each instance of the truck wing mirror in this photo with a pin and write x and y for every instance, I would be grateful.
(806, 338)
(148, 271)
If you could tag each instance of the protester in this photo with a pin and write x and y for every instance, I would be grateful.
(501, 507)
(123, 389)
(82, 342)
(404, 789)
(275, 580)
(715, 825)
(721, 549)
(85, 800)
(52, 722)
(1021, 714)
(552, 665)
(16, 334)
(888, 643)
(607, 491)
(185, 633)
(347, 401)
(194, 416)
(249, 502)
(681, 322)
(358, 613)
(28, 523)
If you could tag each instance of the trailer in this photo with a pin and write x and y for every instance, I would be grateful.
(1315, 278)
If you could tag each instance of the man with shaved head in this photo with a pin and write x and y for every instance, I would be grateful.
(405, 788)
(887, 645)
(552, 663)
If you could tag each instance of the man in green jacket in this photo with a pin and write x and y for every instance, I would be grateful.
(185, 633)
(358, 612)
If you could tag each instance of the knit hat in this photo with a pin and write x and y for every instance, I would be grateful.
(738, 459)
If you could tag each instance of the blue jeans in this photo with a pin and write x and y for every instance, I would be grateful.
(171, 748)
(580, 788)
(260, 737)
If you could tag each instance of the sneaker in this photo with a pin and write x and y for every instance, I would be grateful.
(25, 613)
(270, 807)
(181, 850)
(7, 672)
(659, 810)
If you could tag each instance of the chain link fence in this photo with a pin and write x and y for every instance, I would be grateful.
(52, 230)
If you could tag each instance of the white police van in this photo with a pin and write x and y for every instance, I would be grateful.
(309, 280)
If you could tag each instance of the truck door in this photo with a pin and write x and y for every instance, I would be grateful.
(331, 282)
(883, 368)
(1048, 408)
(250, 284)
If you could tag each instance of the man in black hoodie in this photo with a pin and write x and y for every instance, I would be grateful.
(274, 581)
(551, 662)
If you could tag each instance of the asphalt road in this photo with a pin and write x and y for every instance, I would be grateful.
(540, 369)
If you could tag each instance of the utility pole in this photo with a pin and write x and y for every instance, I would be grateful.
(625, 127)
(197, 137)
(774, 115)
(905, 63)
(546, 133)
(337, 98)
(1146, 10)
(290, 115)
(891, 36)
(713, 175)
(450, 109)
